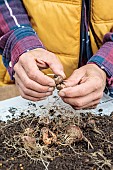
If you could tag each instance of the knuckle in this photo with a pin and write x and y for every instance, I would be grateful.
(39, 95)
(98, 84)
(100, 95)
(97, 96)
(42, 89)
(78, 103)
(96, 103)
(27, 84)
(23, 95)
(65, 100)
(68, 93)
(52, 55)
(21, 58)
(31, 75)
(25, 91)
(35, 99)
(15, 66)
(83, 91)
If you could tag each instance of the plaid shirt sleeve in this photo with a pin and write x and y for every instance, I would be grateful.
(104, 59)
(16, 33)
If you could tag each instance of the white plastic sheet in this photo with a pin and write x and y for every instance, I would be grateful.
(19, 105)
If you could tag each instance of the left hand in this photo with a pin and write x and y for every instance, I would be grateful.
(84, 88)
(31, 82)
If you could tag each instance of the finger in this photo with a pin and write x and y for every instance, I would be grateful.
(33, 72)
(28, 83)
(57, 69)
(53, 62)
(29, 97)
(91, 105)
(90, 85)
(39, 53)
(32, 93)
(75, 78)
(85, 100)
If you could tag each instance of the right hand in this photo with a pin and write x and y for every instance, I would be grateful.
(31, 82)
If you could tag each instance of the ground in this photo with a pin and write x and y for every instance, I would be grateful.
(57, 142)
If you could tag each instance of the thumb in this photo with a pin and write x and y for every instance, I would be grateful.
(75, 78)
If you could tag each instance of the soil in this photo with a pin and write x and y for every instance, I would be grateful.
(57, 142)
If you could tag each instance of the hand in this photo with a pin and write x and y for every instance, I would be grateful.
(31, 82)
(84, 88)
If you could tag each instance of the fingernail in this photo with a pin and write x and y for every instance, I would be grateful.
(48, 93)
(63, 74)
(62, 94)
(52, 84)
(50, 89)
(43, 98)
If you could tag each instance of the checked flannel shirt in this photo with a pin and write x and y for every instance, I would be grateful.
(17, 36)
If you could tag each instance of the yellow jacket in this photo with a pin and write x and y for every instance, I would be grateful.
(58, 22)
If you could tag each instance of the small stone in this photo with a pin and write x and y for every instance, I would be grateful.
(12, 158)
